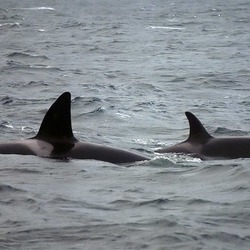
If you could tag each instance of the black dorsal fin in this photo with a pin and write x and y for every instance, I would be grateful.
(56, 124)
(197, 131)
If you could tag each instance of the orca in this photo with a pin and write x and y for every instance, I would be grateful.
(201, 144)
(55, 139)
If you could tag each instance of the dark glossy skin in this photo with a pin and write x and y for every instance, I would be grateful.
(55, 139)
(84, 150)
(15, 148)
(201, 144)
(236, 147)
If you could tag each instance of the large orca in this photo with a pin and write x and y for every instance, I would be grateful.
(55, 139)
(201, 144)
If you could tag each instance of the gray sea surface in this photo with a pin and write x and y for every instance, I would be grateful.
(133, 68)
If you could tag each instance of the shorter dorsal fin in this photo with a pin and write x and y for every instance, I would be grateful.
(197, 131)
(56, 124)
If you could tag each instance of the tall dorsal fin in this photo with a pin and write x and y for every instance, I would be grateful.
(197, 131)
(56, 124)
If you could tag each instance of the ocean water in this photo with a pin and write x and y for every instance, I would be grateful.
(133, 68)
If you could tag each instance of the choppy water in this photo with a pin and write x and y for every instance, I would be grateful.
(133, 68)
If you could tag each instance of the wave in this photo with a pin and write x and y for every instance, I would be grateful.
(94, 111)
(68, 204)
(227, 238)
(6, 100)
(87, 100)
(123, 203)
(25, 55)
(161, 202)
(198, 201)
(10, 24)
(73, 24)
(26, 171)
(90, 103)
(36, 67)
(8, 188)
(226, 131)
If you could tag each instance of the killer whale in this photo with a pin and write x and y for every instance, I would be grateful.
(55, 139)
(201, 144)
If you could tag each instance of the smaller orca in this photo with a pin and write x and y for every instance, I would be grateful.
(55, 139)
(201, 144)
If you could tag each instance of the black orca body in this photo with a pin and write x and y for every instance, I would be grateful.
(201, 144)
(55, 139)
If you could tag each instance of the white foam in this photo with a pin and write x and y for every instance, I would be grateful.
(35, 8)
(166, 27)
